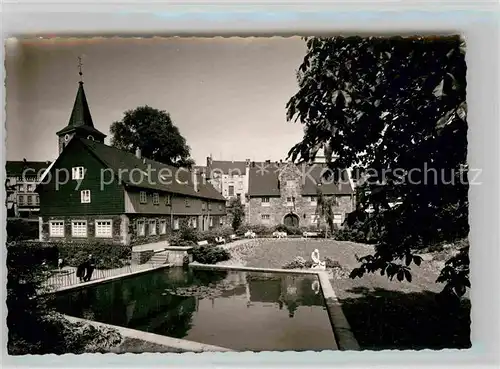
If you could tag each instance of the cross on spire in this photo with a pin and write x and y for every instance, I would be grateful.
(80, 65)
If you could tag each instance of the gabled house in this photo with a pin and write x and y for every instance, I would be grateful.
(22, 177)
(96, 192)
(229, 177)
(287, 193)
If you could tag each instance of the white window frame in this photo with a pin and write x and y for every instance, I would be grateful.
(29, 188)
(101, 234)
(141, 228)
(85, 197)
(265, 201)
(77, 173)
(156, 198)
(73, 228)
(143, 197)
(176, 225)
(289, 203)
(265, 216)
(221, 221)
(337, 218)
(29, 200)
(152, 227)
(51, 229)
(20, 200)
(313, 200)
(163, 226)
(211, 222)
(194, 223)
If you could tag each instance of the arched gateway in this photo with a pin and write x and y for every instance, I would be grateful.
(291, 220)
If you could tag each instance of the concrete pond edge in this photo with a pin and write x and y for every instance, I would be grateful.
(106, 280)
(341, 329)
(165, 341)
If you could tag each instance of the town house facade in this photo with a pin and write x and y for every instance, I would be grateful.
(94, 192)
(287, 193)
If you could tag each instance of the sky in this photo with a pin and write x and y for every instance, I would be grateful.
(227, 96)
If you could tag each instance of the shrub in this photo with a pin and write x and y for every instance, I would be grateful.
(331, 264)
(187, 233)
(355, 233)
(33, 326)
(259, 229)
(22, 229)
(293, 231)
(210, 254)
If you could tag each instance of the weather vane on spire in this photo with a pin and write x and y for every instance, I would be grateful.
(80, 64)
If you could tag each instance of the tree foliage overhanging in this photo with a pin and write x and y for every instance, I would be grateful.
(152, 131)
(394, 110)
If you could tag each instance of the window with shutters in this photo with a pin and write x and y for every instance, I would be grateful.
(163, 226)
(152, 227)
(141, 228)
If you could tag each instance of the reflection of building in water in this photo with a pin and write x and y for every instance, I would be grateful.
(288, 290)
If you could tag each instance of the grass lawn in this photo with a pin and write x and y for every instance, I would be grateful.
(383, 314)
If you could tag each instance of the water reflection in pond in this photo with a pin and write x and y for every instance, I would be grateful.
(238, 310)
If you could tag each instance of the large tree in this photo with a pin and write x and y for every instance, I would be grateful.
(396, 108)
(152, 131)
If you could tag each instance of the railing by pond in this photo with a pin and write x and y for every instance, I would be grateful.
(66, 277)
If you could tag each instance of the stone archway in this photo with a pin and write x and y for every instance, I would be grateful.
(291, 220)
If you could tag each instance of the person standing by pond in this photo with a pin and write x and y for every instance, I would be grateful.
(90, 266)
(81, 270)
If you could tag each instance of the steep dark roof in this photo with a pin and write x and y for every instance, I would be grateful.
(264, 181)
(177, 180)
(80, 118)
(328, 187)
(16, 168)
(227, 166)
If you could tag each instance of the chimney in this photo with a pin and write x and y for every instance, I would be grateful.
(138, 153)
(194, 178)
(247, 162)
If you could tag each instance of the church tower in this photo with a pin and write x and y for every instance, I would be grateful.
(80, 122)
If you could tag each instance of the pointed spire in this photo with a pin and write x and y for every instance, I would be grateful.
(80, 115)
(80, 122)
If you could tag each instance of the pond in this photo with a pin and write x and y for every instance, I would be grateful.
(237, 310)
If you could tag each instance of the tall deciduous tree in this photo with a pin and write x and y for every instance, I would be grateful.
(324, 210)
(396, 108)
(152, 131)
(236, 211)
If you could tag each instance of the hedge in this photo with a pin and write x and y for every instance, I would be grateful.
(73, 254)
